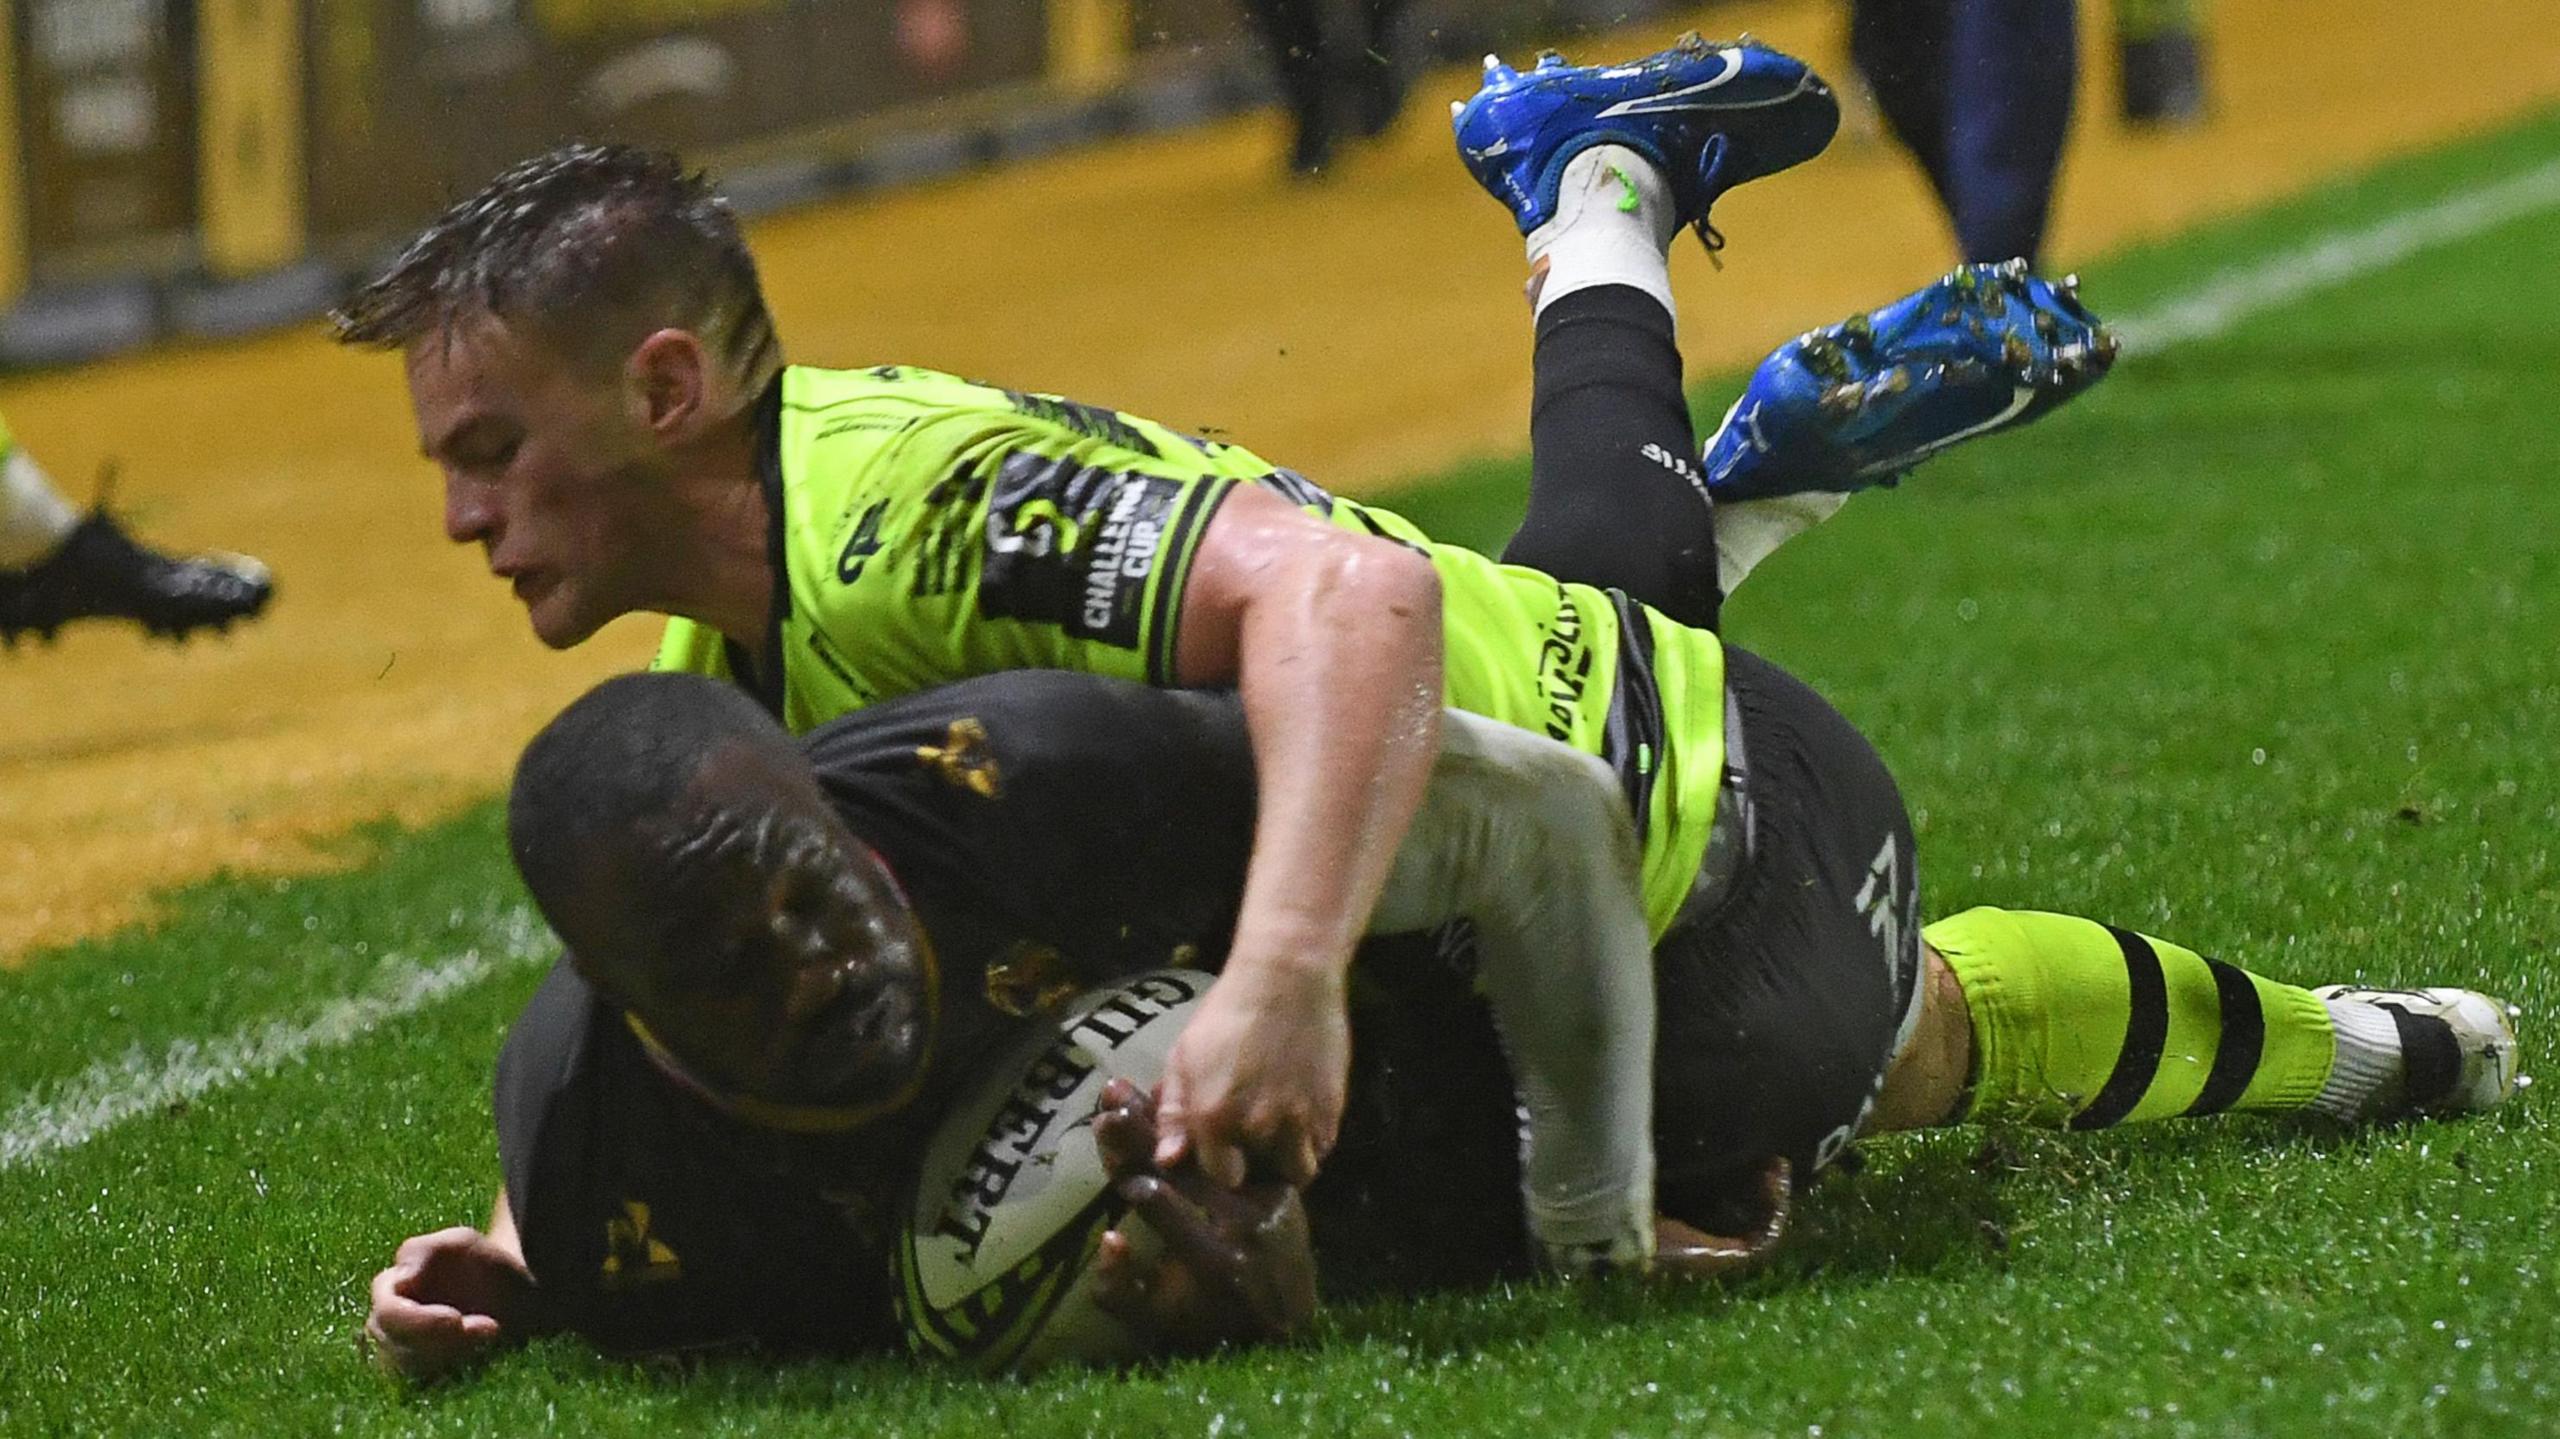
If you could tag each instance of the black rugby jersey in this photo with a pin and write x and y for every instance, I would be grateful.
(1053, 831)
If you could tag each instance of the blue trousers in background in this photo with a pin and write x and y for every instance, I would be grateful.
(1980, 92)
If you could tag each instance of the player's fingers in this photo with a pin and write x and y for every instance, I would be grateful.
(1228, 1164)
(421, 1345)
(383, 1350)
(1123, 1132)
(391, 1285)
(417, 1249)
(1120, 1281)
(1777, 1190)
(1192, 1237)
(422, 1341)
(1122, 1092)
(1683, 1251)
(414, 1321)
(1283, 1147)
(1299, 1157)
(397, 1304)
(1173, 1121)
(1220, 1159)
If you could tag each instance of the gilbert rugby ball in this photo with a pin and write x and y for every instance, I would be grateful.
(994, 1263)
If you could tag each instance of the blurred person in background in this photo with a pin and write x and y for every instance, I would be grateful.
(1338, 68)
(56, 567)
(1979, 91)
(2160, 47)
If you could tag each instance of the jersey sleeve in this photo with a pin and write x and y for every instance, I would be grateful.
(647, 1227)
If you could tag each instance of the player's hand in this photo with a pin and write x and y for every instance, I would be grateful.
(1684, 1251)
(447, 1299)
(1257, 1079)
(1236, 1264)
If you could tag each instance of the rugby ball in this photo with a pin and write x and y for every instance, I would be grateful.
(994, 1265)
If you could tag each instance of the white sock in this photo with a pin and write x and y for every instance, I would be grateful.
(2367, 1074)
(34, 519)
(1612, 226)
(1749, 531)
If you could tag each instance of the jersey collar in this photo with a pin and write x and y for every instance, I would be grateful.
(766, 682)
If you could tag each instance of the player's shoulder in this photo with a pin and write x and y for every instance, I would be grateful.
(820, 395)
(849, 439)
(897, 406)
(564, 1039)
(1030, 724)
(552, 1074)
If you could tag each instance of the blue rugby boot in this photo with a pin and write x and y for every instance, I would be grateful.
(1709, 117)
(1859, 403)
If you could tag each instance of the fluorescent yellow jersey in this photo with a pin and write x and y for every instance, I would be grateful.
(927, 529)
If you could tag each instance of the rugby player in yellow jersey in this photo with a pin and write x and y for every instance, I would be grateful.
(593, 368)
(834, 538)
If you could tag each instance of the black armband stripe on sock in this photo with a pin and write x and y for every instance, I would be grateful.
(2146, 1035)
(2244, 1039)
(2432, 1054)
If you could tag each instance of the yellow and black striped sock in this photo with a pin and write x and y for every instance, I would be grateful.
(2084, 1024)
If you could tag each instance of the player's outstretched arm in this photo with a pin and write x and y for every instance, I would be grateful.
(1333, 640)
(1530, 840)
(450, 1298)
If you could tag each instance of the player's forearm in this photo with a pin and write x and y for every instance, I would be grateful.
(1333, 640)
(1339, 667)
(1531, 841)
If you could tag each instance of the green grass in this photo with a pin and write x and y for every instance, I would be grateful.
(2251, 648)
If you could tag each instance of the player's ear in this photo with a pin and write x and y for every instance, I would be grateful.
(669, 378)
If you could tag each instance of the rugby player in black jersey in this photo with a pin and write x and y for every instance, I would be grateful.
(786, 964)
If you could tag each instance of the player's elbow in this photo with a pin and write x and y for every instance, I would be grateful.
(1380, 582)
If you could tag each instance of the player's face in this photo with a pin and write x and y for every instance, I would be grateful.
(547, 467)
(805, 982)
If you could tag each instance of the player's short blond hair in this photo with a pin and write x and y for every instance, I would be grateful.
(589, 248)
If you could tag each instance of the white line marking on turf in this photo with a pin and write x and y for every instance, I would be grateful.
(110, 1092)
(2334, 259)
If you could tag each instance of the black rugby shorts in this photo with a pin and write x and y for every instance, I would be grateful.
(1782, 1003)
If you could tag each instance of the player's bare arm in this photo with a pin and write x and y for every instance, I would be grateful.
(451, 1297)
(1334, 641)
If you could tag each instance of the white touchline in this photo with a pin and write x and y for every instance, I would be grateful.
(2336, 258)
(63, 1116)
